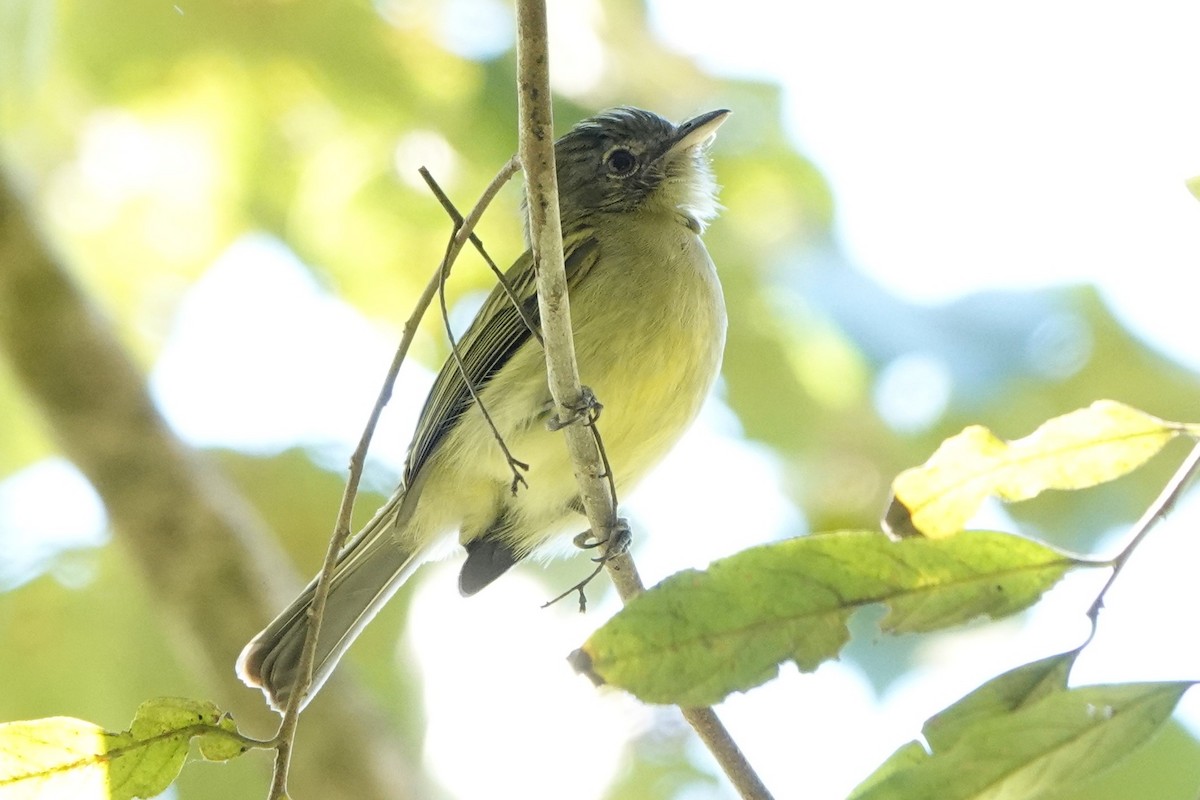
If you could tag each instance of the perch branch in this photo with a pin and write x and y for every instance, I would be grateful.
(541, 188)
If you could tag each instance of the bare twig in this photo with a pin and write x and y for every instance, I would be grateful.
(541, 188)
(579, 587)
(608, 473)
(516, 466)
(586, 540)
(448, 205)
(1159, 509)
(287, 729)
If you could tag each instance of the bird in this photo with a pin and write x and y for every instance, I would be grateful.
(648, 317)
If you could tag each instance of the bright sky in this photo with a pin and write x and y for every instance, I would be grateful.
(1003, 146)
(1023, 144)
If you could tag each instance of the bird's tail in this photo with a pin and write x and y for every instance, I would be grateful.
(369, 571)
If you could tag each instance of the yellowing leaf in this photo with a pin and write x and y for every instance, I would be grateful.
(1083, 448)
(54, 757)
(61, 757)
(700, 635)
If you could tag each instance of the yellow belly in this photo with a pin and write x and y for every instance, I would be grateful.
(649, 326)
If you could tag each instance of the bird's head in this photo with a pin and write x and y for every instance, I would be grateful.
(626, 159)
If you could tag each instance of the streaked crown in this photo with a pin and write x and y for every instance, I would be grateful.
(625, 160)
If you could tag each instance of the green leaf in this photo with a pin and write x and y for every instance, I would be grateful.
(71, 758)
(219, 746)
(1193, 185)
(1083, 448)
(1005, 693)
(1024, 735)
(700, 635)
(909, 755)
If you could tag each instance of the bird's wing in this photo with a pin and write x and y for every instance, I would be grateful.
(496, 333)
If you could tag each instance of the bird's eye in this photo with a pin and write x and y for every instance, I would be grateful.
(620, 162)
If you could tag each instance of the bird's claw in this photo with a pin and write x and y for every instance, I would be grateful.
(587, 409)
(616, 544)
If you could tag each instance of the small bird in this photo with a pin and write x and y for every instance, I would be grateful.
(648, 318)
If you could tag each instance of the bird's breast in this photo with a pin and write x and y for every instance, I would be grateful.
(649, 323)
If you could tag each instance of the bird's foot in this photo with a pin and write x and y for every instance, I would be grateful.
(586, 410)
(617, 543)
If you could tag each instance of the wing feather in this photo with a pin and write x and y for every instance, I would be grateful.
(496, 333)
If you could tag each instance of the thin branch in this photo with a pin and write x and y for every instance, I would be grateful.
(608, 473)
(541, 189)
(579, 587)
(515, 465)
(287, 729)
(586, 540)
(1158, 510)
(733, 762)
(448, 205)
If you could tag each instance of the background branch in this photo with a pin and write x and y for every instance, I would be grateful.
(541, 190)
(214, 573)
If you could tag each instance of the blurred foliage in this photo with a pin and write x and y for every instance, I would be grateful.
(658, 765)
(63, 756)
(300, 501)
(149, 136)
(85, 640)
(24, 442)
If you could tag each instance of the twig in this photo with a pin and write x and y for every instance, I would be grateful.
(285, 737)
(515, 466)
(579, 587)
(478, 243)
(608, 473)
(541, 190)
(586, 540)
(1159, 509)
